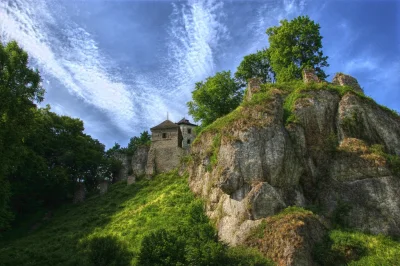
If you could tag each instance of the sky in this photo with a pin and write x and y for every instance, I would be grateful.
(122, 65)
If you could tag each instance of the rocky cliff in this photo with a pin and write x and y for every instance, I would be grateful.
(317, 145)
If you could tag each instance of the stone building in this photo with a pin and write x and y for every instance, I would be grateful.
(188, 132)
(169, 141)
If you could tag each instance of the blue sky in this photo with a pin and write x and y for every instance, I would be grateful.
(121, 65)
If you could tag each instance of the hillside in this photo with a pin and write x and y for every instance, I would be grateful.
(304, 174)
(109, 229)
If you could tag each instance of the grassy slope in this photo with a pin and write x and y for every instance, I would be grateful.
(117, 221)
(126, 212)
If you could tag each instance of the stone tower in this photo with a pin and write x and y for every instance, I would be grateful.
(188, 132)
(166, 148)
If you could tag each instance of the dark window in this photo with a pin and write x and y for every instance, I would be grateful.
(189, 131)
(164, 135)
(188, 141)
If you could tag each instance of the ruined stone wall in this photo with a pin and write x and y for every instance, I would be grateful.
(139, 160)
(188, 135)
(309, 76)
(125, 159)
(163, 159)
(253, 86)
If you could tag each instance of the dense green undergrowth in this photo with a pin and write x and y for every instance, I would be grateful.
(343, 247)
(152, 222)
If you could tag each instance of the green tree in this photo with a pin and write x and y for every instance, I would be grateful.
(215, 97)
(20, 87)
(295, 45)
(135, 142)
(255, 66)
(55, 154)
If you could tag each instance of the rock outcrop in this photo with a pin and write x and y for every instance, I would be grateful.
(346, 80)
(337, 153)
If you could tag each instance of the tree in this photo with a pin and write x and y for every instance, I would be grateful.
(55, 154)
(255, 66)
(215, 97)
(20, 87)
(135, 142)
(295, 45)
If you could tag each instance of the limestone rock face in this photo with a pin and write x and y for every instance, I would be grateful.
(343, 79)
(258, 164)
(289, 240)
(139, 160)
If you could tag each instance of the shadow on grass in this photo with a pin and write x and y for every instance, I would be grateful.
(64, 239)
(106, 251)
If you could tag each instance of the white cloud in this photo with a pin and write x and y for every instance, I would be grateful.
(75, 60)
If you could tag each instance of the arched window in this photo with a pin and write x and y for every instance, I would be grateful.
(188, 141)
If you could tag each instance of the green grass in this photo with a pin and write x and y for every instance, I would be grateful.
(107, 226)
(343, 247)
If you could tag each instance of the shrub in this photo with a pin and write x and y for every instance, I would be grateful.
(107, 251)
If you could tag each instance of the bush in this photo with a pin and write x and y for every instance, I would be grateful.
(162, 247)
(107, 251)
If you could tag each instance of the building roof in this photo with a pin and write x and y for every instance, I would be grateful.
(185, 121)
(164, 125)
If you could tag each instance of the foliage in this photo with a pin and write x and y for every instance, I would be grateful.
(255, 66)
(135, 142)
(122, 219)
(162, 247)
(107, 251)
(295, 45)
(55, 155)
(215, 97)
(20, 87)
(392, 160)
(342, 247)
(42, 154)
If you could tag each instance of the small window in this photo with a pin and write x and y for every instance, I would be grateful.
(164, 135)
(189, 131)
(188, 141)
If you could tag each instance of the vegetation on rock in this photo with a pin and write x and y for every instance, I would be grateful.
(255, 65)
(215, 97)
(294, 46)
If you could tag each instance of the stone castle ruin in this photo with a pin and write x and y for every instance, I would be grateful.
(169, 142)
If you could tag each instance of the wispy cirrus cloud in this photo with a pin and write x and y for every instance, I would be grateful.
(63, 49)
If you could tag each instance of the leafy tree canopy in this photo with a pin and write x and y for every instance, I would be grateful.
(255, 65)
(214, 97)
(135, 142)
(295, 45)
(19, 87)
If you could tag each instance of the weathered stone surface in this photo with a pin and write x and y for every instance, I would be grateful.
(364, 120)
(139, 160)
(253, 86)
(80, 193)
(163, 159)
(130, 180)
(347, 80)
(369, 204)
(103, 187)
(309, 76)
(325, 159)
(125, 160)
(290, 239)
